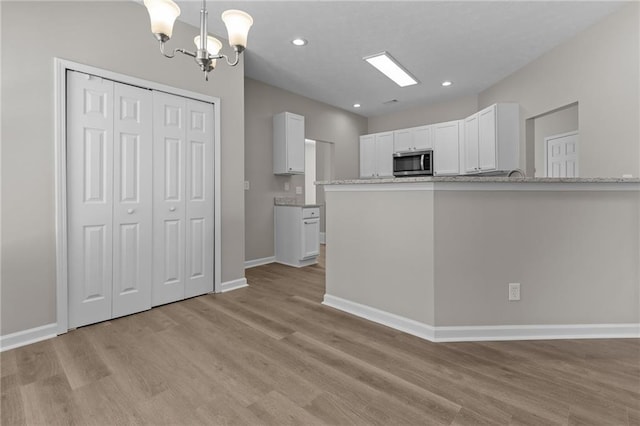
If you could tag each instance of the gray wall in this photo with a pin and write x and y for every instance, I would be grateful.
(561, 121)
(574, 253)
(599, 69)
(110, 35)
(322, 122)
(430, 114)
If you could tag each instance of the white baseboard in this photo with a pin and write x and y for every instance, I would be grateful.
(407, 325)
(300, 264)
(26, 337)
(233, 285)
(259, 262)
(485, 333)
(323, 239)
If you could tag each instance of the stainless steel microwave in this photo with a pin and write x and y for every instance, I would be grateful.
(413, 163)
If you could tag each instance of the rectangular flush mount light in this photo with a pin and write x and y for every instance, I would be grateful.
(391, 68)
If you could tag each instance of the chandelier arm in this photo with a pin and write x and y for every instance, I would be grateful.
(183, 51)
(226, 58)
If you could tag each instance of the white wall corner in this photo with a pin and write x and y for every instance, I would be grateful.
(323, 238)
(234, 285)
(259, 262)
(27, 337)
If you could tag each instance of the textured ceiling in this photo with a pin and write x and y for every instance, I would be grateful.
(474, 44)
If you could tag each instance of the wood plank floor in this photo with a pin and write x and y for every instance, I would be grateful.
(272, 354)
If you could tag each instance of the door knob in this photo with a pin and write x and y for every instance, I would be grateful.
(130, 211)
(172, 209)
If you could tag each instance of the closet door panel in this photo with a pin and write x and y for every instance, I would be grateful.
(132, 209)
(89, 197)
(169, 215)
(199, 201)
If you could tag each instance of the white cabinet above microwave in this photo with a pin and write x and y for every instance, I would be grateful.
(413, 139)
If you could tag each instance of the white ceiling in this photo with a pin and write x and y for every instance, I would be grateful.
(474, 44)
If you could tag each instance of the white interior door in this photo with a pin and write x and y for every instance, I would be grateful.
(89, 197)
(562, 155)
(169, 133)
(132, 199)
(199, 199)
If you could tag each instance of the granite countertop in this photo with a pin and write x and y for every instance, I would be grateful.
(291, 202)
(479, 179)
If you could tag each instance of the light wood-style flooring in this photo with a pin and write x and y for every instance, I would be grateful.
(272, 354)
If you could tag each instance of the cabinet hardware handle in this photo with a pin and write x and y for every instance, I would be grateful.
(130, 211)
(172, 209)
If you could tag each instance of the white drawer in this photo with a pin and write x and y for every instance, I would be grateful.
(310, 212)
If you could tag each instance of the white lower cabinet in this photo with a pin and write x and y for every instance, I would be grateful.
(297, 235)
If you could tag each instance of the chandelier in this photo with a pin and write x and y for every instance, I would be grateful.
(163, 14)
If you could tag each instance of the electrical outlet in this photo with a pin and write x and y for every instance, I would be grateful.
(298, 190)
(286, 186)
(247, 186)
(514, 291)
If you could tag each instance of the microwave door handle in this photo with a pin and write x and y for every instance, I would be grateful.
(422, 162)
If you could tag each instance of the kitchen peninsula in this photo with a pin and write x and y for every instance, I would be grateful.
(434, 256)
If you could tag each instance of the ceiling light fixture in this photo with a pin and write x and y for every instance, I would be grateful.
(163, 14)
(387, 65)
(447, 83)
(299, 41)
(356, 105)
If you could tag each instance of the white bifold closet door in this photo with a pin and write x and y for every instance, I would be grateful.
(109, 198)
(182, 198)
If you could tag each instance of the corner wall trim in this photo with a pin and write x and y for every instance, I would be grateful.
(485, 333)
(407, 325)
(259, 262)
(233, 285)
(26, 337)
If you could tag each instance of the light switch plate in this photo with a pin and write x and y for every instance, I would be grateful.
(286, 186)
(247, 185)
(298, 190)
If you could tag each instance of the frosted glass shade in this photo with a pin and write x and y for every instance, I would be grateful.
(238, 24)
(163, 14)
(213, 46)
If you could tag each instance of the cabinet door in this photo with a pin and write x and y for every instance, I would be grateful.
(402, 140)
(199, 229)
(421, 137)
(132, 200)
(367, 156)
(445, 150)
(295, 143)
(384, 154)
(487, 138)
(169, 213)
(90, 197)
(471, 144)
(310, 243)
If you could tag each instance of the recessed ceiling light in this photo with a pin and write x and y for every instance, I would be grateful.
(356, 105)
(447, 83)
(299, 41)
(391, 68)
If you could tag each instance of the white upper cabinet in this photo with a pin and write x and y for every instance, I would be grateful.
(376, 155)
(492, 139)
(446, 137)
(288, 144)
(413, 139)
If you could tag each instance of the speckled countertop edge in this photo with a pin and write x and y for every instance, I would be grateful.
(479, 179)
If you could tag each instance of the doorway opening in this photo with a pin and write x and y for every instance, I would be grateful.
(319, 166)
